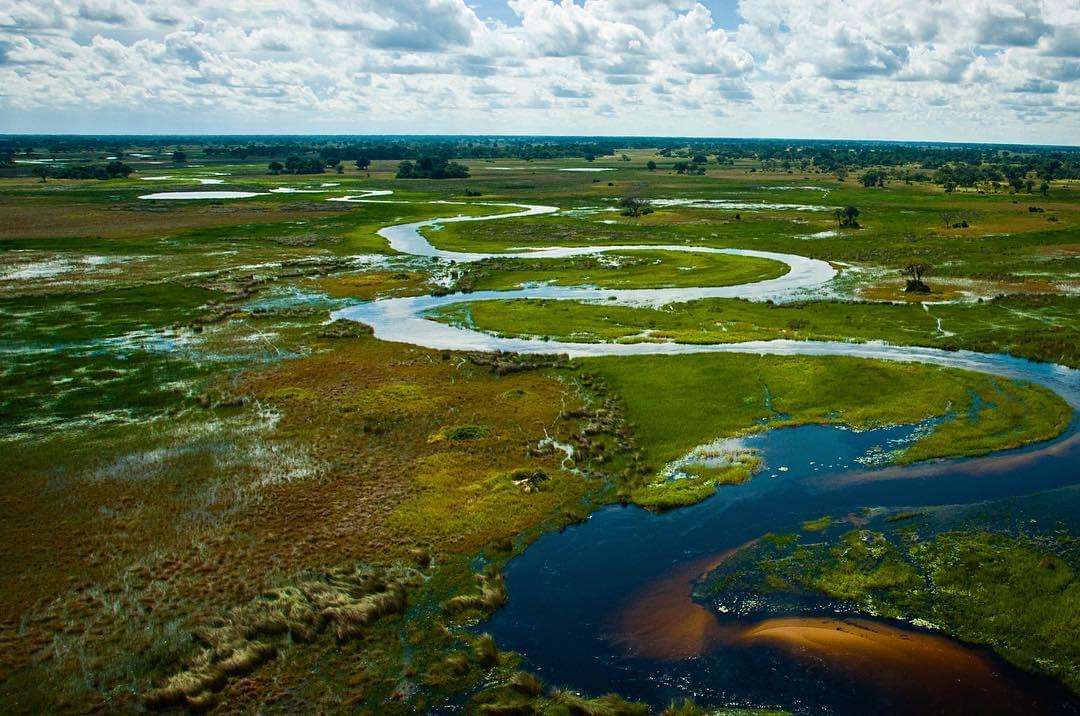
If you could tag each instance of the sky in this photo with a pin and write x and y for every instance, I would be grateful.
(961, 70)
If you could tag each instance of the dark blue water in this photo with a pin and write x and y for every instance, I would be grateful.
(565, 588)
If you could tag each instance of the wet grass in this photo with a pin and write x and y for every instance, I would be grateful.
(637, 269)
(1037, 327)
(968, 574)
(675, 403)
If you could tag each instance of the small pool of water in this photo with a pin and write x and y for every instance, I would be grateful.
(570, 591)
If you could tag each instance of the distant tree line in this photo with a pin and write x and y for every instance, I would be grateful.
(297, 165)
(112, 170)
(1020, 168)
(432, 168)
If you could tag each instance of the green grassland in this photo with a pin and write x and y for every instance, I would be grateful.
(624, 269)
(1040, 327)
(663, 401)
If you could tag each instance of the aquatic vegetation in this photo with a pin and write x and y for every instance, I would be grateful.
(818, 524)
(1039, 327)
(607, 705)
(687, 707)
(491, 594)
(664, 399)
(1016, 594)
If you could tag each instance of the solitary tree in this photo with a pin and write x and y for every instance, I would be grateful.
(1044, 188)
(851, 215)
(363, 163)
(276, 167)
(42, 172)
(650, 165)
(967, 217)
(838, 214)
(634, 205)
(179, 157)
(914, 269)
(947, 216)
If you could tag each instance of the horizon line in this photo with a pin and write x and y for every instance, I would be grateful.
(5, 135)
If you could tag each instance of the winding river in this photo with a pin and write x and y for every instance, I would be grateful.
(403, 319)
(606, 605)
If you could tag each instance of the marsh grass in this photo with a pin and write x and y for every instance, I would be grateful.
(342, 602)
(490, 594)
(1013, 592)
(678, 402)
(1040, 327)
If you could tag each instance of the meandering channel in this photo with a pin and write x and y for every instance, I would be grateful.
(403, 319)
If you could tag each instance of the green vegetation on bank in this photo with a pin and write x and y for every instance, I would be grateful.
(1042, 327)
(1016, 593)
(676, 403)
(623, 269)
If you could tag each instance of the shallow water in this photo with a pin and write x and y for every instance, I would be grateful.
(605, 605)
(203, 195)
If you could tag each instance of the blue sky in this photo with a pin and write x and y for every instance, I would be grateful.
(968, 70)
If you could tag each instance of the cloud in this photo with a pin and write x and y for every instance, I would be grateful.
(968, 67)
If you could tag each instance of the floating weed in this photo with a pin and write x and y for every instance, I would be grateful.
(817, 525)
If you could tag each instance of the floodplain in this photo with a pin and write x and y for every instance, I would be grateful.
(222, 493)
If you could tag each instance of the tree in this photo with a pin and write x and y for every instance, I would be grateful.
(41, 171)
(947, 216)
(838, 214)
(873, 178)
(179, 157)
(851, 215)
(363, 163)
(634, 205)
(1044, 188)
(432, 168)
(650, 165)
(276, 167)
(914, 269)
(626, 157)
(304, 165)
(118, 169)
